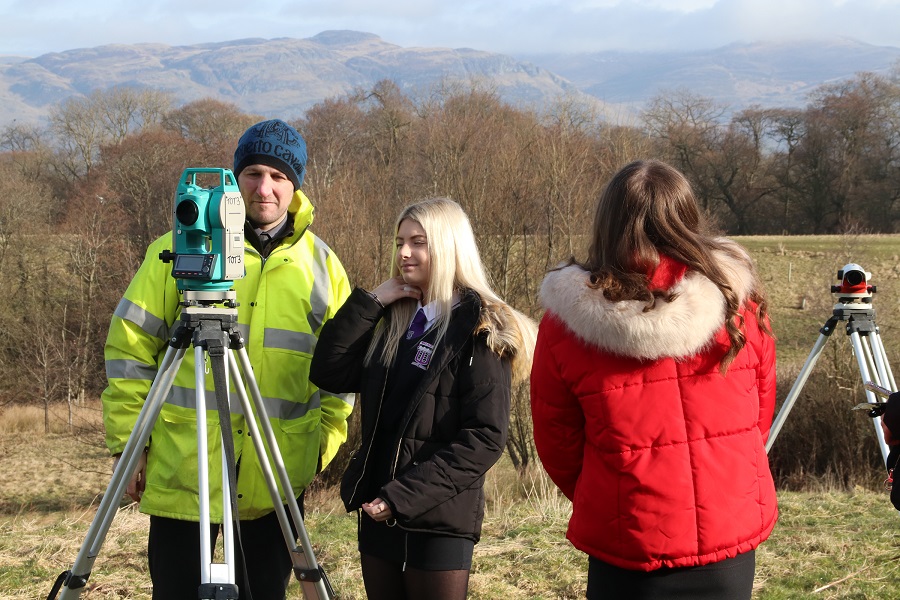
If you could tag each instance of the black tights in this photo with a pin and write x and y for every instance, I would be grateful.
(386, 580)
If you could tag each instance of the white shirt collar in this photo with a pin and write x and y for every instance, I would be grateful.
(433, 310)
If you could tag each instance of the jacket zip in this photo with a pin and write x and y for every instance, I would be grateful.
(403, 429)
(371, 440)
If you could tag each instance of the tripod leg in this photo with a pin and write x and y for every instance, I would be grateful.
(211, 572)
(865, 359)
(792, 396)
(881, 361)
(312, 578)
(77, 577)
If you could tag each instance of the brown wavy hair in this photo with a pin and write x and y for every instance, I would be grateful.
(648, 208)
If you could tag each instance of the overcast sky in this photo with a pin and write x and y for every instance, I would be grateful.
(34, 27)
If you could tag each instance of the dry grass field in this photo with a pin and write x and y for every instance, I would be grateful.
(828, 544)
(832, 541)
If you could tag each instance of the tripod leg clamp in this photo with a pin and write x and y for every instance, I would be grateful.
(68, 579)
(314, 575)
(74, 582)
(218, 591)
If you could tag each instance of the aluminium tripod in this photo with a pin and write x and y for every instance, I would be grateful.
(212, 331)
(871, 359)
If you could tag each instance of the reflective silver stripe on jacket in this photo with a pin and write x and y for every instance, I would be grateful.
(185, 397)
(349, 399)
(285, 339)
(276, 408)
(129, 369)
(152, 325)
(321, 288)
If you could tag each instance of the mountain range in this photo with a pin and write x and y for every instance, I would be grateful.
(285, 76)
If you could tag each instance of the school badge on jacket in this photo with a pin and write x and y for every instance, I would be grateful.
(423, 355)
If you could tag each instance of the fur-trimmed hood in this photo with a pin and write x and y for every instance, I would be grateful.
(679, 328)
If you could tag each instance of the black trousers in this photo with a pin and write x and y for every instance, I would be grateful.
(173, 552)
(730, 579)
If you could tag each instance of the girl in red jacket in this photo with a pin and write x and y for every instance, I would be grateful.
(652, 390)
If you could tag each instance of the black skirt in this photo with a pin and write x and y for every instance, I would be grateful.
(730, 579)
(417, 550)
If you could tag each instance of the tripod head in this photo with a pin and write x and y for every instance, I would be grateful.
(195, 298)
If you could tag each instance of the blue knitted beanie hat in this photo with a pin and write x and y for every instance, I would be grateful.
(276, 144)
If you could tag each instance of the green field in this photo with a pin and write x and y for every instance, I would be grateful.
(831, 542)
(798, 273)
(828, 544)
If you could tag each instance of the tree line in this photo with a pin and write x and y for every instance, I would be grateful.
(83, 195)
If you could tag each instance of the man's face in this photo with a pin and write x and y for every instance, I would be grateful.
(267, 195)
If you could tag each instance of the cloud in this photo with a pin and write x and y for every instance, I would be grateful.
(681, 6)
(32, 27)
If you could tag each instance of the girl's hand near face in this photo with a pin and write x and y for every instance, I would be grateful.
(394, 289)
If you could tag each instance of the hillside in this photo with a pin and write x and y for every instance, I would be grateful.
(739, 75)
(281, 77)
(286, 76)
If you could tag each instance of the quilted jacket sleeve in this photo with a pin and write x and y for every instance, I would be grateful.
(557, 416)
(766, 383)
(337, 363)
(336, 408)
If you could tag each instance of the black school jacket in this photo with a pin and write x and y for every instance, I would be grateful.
(454, 428)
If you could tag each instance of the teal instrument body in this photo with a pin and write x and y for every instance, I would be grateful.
(207, 231)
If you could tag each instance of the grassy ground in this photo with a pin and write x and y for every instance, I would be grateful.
(830, 544)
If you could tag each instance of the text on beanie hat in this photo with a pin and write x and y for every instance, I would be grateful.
(276, 144)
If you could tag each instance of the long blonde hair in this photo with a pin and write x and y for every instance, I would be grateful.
(455, 267)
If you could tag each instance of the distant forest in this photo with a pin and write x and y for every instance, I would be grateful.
(82, 197)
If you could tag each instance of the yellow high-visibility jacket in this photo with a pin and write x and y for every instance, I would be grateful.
(284, 301)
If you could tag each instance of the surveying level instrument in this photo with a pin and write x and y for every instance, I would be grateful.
(207, 226)
(854, 307)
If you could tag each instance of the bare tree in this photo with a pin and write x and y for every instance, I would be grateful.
(215, 125)
(99, 263)
(142, 174)
(38, 335)
(83, 124)
(690, 125)
(572, 174)
(27, 149)
(126, 110)
(23, 208)
(23, 211)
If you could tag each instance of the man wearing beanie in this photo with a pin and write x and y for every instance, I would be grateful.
(294, 283)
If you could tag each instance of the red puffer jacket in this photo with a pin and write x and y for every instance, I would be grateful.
(662, 456)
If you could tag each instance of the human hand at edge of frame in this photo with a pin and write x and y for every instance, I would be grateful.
(138, 479)
(378, 509)
(394, 289)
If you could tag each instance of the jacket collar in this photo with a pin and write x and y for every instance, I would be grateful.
(679, 328)
(301, 209)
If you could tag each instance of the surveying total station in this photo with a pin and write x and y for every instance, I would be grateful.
(208, 242)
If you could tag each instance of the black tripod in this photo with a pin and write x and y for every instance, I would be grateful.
(211, 330)
(859, 315)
